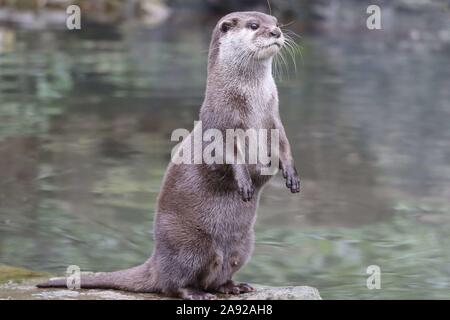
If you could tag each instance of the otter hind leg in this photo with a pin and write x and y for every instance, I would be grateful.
(194, 294)
(233, 287)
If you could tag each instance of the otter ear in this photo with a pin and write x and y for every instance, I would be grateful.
(227, 25)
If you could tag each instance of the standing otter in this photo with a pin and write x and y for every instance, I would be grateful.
(205, 213)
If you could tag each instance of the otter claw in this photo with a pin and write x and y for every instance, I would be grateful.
(293, 183)
(235, 288)
(246, 192)
(292, 180)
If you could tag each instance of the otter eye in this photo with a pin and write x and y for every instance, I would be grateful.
(254, 26)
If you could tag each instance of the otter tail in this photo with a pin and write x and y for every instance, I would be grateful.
(137, 279)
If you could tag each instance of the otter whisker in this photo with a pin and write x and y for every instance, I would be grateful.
(278, 70)
(284, 63)
(291, 41)
(270, 7)
(291, 48)
(288, 31)
(287, 24)
(275, 66)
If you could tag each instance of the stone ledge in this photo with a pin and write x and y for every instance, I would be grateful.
(26, 290)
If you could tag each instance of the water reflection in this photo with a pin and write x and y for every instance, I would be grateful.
(84, 142)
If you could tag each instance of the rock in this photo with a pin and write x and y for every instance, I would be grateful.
(26, 290)
(280, 293)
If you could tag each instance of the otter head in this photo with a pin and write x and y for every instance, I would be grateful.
(243, 37)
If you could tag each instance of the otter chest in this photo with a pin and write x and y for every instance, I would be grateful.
(262, 99)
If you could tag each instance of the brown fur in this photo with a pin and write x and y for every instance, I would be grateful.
(205, 213)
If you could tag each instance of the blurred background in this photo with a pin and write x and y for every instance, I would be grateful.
(86, 118)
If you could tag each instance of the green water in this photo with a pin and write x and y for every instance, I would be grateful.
(85, 124)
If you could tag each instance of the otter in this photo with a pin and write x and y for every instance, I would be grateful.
(203, 228)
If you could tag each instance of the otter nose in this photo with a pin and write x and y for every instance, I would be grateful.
(275, 33)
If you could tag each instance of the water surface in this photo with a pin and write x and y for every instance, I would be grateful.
(85, 124)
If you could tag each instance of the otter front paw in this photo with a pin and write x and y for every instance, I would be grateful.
(232, 287)
(292, 179)
(246, 190)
